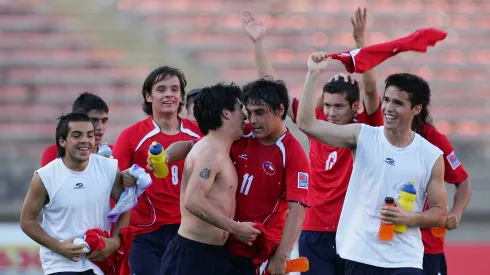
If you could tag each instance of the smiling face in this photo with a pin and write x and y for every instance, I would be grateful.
(397, 110)
(337, 109)
(165, 96)
(79, 141)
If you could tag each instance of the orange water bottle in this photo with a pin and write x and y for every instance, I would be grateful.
(386, 231)
(300, 264)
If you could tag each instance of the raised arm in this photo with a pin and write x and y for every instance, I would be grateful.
(178, 150)
(203, 175)
(36, 198)
(342, 136)
(257, 31)
(371, 96)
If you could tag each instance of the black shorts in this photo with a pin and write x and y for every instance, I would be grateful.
(356, 268)
(435, 264)
(187, 257)
(320, 249)
(88, 272)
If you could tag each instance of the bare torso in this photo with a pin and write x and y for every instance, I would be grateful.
(221, 196)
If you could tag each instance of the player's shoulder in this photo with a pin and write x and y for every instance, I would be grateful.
(435, 137)
(190, 128)
(143, 126)
(103, 162)
(51, 148)
(290, 142)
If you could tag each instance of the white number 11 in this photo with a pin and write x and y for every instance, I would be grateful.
(246, 183)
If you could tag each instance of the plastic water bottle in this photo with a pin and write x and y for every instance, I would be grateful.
(386, 231)
(157, 158)
(300, 264)
(104, 150)
(407, 198)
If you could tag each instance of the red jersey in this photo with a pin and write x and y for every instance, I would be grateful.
(51, 153)
(330, 169)
(268, 178)
(454, 173)
(159, 205)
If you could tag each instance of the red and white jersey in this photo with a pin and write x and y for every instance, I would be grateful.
(454, 173)
(330, 169)
(159, 204)
(268, 178)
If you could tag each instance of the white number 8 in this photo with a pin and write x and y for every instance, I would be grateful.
(175, 174)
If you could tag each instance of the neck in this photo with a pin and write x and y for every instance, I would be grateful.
(74, 165)
(399, 137)
(95, 149)
(221, 137)
(168, 123)
(274, 136)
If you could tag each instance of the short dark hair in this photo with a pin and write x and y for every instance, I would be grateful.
(418, 93)
(157, 75)
(87, 102)
(211, 101)
(341, 86)
(191, 97)
(62, 128)
(272, 92)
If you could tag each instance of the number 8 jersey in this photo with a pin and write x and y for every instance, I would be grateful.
(269, 176)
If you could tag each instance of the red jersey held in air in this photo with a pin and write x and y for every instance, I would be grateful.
(454, 173)
(268, 178)
(159, 205)
(330, 170)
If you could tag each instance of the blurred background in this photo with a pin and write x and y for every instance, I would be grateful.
(52, 50)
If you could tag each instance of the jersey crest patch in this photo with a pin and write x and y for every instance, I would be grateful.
(303, 180)
(268, 168)
(453, 160)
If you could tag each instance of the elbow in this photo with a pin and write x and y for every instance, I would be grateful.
(191, 205)
(303, 125)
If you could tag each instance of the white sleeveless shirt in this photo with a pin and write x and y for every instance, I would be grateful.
(78, 202)
(380, 170)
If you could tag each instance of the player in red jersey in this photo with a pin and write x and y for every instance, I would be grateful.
(96, 108)
(273, 179)
(330, 167)
(156, 218)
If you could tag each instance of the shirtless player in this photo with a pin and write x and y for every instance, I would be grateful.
(208, 189)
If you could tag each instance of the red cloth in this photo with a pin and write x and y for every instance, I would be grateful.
(364, 59)
(265, 244)
(118, 262)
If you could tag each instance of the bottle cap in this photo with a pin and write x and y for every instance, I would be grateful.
(409, 188)
(155, 148)
(389, 200)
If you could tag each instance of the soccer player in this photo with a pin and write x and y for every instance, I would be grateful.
(386, 158)
(189, 104)
(96, 108)
(330, 167)
(73, 193)
(272, 179)
(208, 190)
(156, 218)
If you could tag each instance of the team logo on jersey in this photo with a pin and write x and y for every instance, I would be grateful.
(453, 160)
(269, 168)
(79, 186)
(243, 156)
(302, 180)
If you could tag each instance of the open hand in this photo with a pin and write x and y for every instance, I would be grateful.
(359, 24)
(255, 29)
(346, 78)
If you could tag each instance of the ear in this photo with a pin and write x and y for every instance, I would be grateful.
(281, 112)
(148, 97)
(417, 109)
(356, 106)
(226, 114)
(62, 142)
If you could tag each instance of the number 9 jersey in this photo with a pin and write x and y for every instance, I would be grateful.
(269, 176)
(159, 205)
